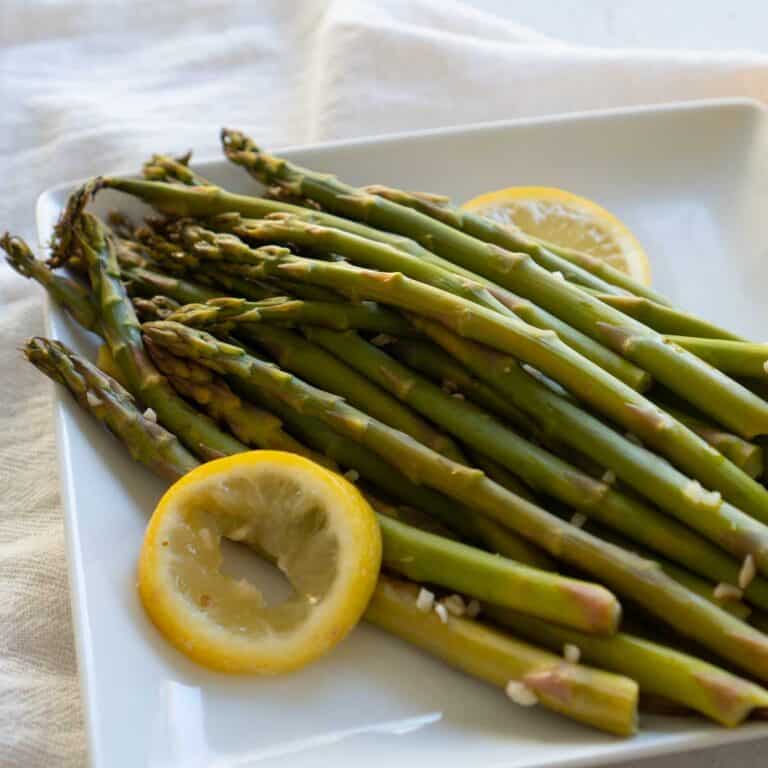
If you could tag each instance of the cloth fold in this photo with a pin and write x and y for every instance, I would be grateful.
(91, 88)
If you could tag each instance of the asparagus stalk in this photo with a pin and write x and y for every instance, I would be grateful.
(745, 455)
(659, 670)
(736, 358)
(231, 312)
(638, 579)
(161, 452)
(664, 319)
(597, 698)
(641, 469)
(711, 391)
(335, 447)
(501, 475)
(441, 368)
(75, 298)
(577, 266)
(112, 405)
(147, 283)
(330, 194)
(86, 237)
(249, 424)
(286, 228)
(429, 359)
(209, 201)
(541, 349)
(295, 354)
(472, 526)
(426, 557)
(418, 554)
(704, 587)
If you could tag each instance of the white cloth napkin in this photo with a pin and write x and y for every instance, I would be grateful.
(93, 87)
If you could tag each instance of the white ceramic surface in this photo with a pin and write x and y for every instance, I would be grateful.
(691, 181)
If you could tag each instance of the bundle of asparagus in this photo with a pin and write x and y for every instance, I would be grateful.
(536, 448)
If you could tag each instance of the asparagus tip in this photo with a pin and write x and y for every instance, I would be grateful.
(65, 243)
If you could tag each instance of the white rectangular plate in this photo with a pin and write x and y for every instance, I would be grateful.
(690, 180)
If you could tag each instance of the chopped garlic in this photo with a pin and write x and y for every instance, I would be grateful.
(442, 613)
(558, 274)
(455, 605)
(571, 653)
(727, 592)
(473, 608)
(609, 478)
(458, 395)
(578, 520)
(695, 492)
(382, 340)
(748, 572)
(521, 694)
(352, 475)
(150, 415)
(425, 600)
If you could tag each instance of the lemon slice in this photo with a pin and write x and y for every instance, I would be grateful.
(311, 522)
(561, 218)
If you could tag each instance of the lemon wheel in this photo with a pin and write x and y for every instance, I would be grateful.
(312, 523)
(561, 218)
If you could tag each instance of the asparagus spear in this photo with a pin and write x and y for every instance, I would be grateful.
(541, 349)
(638, 579)
(702, 586)
(441, 368)
(161, 452)
(579, 267)
(324, 189)
(231, 312)
(677, 676)
(249, 424)
(209, 201)
(164, 167)
(64, 291)
(711, 391)
(287, 228)
(156, 308)
(426, 557)
(86, 237)
(298, 356)
(745, 455)
(664, 319)
(643, 470)
(736, 358)
(419, 555)
(429, 359)
(596, 698)
(147, 283)
(114, 406)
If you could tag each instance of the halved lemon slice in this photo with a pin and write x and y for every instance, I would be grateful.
(312, 523)
(561, 218)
